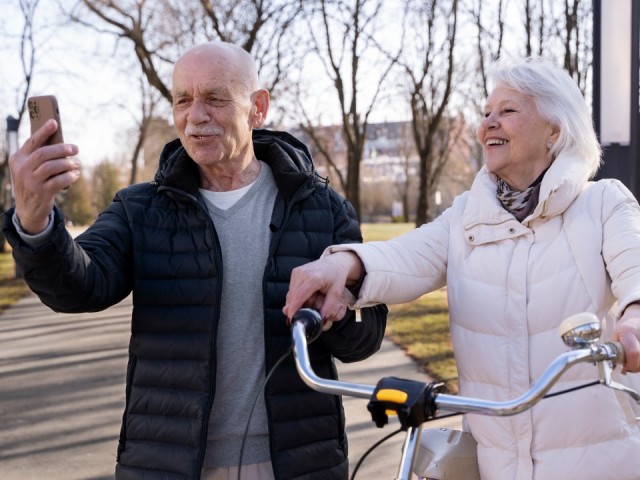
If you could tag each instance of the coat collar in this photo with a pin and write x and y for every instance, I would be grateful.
(289, 159)
(566, 178)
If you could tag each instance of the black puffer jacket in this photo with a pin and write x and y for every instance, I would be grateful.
(157, 240)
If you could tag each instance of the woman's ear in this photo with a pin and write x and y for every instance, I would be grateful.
(260, 108)
(555, 133)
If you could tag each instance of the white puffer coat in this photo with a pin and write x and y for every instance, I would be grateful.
(509, 285)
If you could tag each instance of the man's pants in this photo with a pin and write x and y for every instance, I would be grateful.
(256, 471)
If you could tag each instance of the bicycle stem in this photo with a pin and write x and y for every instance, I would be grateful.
(409, 452)
(334, 387)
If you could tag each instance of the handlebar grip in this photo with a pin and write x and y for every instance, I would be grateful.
(311, 320)
(618, 349)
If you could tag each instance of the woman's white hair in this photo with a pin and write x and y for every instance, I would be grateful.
(558, 100)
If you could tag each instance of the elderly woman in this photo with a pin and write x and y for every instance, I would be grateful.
(531, 243)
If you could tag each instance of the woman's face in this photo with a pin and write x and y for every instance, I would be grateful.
(514, 138)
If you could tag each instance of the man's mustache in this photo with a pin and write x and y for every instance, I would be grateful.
(204, 130)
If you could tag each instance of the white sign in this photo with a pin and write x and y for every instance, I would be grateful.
(615, 73)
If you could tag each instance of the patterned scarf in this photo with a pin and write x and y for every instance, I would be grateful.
(520, 204)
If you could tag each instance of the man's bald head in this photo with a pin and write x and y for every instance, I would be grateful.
(217, 103)
(225, 58)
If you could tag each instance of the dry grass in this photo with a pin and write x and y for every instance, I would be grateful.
(12, 289)
(384, 231)
(421, 327)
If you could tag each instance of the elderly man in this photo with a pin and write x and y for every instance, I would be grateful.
(207, 249)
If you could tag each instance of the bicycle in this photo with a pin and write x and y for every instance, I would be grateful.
(415, 402)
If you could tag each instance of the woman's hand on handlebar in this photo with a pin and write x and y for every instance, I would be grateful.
(321, 285)
(628, 334)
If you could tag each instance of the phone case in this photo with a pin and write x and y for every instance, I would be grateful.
(41, 109)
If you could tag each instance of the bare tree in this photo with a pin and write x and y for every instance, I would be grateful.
(75, 203)
(345, 44)
(576, 36)
(27, 53)
(455, 142)
(105, 182)
(150, 28)
(325, 147)
(157, 31)
(562, 31)
(572, 34)
(148, 105)
(536, 28)
(261, 27)
(489, 46)
(159, 133)
(489, 40)
(528, 26)
(429, 73)
(408, 158)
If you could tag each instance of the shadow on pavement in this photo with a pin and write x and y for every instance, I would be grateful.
(62, 384)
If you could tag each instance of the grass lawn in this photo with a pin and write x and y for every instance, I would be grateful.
(11, 288)
(421, 327)
(384, 231)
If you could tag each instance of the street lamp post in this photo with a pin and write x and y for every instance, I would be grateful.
(616, 85)
(12, 145)
(12, 133)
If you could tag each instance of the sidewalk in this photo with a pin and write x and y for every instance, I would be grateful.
(383, 462)
(62, 395)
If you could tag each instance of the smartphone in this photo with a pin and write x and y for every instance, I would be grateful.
(41, 109)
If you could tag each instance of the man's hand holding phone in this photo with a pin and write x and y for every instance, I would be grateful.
(40, 170)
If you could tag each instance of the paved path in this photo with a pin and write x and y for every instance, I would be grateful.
(62, 395)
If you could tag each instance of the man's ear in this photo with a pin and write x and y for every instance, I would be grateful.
(260, 108)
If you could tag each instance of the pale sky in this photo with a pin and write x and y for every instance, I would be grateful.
(80, 68)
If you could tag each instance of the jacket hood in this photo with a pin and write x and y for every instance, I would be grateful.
(289, 159)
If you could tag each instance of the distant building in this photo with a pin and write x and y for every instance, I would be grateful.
(390, 164)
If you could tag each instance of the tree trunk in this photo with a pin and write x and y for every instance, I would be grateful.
(352, 190)
(422, 209)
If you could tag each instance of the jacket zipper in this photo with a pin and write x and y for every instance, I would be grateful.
(272, 249)
(218, 262)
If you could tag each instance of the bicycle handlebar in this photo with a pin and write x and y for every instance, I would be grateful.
(303, 364)
(595, 353)
(416, 402)
(307, 320)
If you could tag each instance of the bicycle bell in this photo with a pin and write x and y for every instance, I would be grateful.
(580, 330)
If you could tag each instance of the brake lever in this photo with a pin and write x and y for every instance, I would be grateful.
(606, 369)
(583, 331)
(623, 388)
